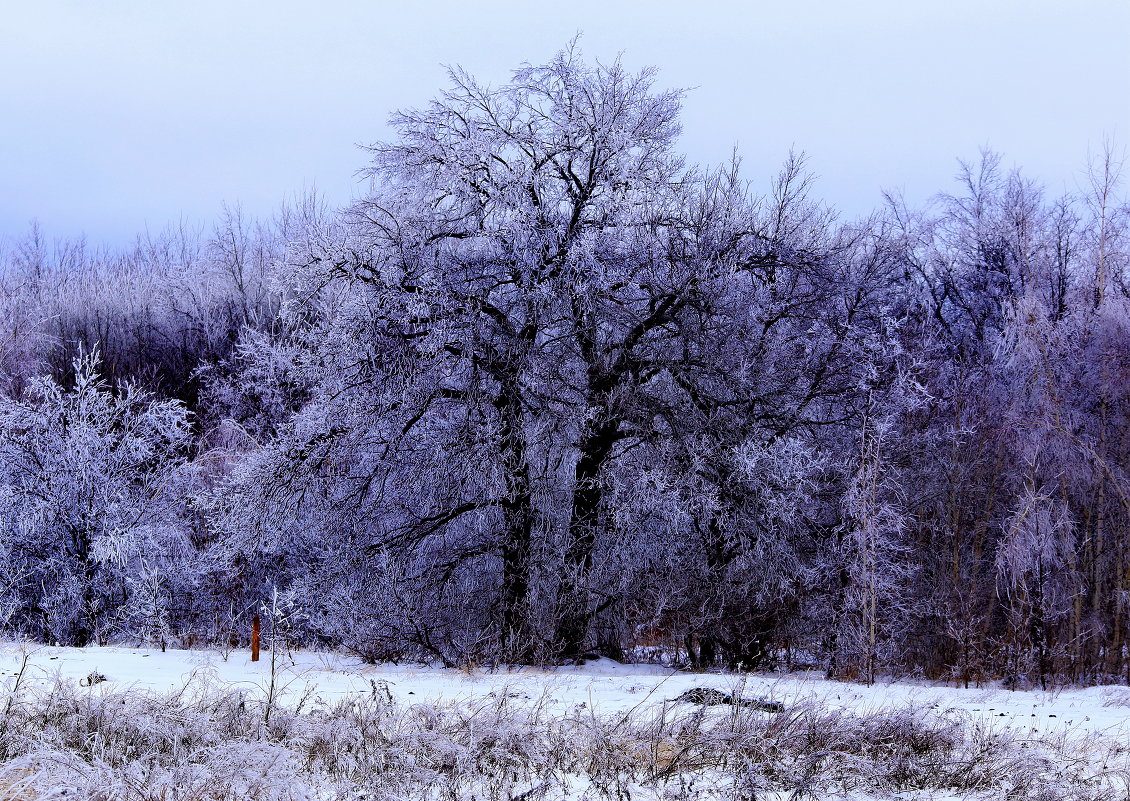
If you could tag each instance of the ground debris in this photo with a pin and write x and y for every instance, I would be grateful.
(710, 697)
(93, 678)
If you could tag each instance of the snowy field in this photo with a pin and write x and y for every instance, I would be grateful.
(603, 686)
(601, 730)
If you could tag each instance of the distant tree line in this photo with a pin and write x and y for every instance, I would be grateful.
(548, 390)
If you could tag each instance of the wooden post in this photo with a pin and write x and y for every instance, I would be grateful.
(255, 638)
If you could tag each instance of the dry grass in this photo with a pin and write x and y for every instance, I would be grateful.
(69, 742)
(16, 783)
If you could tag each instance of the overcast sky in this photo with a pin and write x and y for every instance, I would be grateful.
(126, 114)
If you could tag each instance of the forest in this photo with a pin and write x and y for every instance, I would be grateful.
(547, 390)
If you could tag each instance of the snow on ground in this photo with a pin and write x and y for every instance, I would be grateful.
(603, 686)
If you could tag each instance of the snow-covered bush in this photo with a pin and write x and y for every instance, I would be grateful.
(91, 480)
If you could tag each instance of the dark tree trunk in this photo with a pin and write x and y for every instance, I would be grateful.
(575, 602)
(83, 632)
(517, 545)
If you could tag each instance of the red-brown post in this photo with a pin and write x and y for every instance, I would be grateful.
(255, 638)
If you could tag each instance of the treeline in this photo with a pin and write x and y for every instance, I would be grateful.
(548, 390)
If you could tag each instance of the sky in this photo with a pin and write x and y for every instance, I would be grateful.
(123, 116)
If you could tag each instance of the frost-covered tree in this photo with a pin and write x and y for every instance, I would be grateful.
(147, 614)
(499, 283)
(89, 478)
(870, 559)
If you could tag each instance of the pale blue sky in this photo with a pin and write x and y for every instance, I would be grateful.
(123, 114)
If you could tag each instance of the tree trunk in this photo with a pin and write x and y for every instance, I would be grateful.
(575, 597)
(517, 545)
(83, 632)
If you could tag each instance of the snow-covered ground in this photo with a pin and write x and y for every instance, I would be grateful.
(604, 686)
(183, 723)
